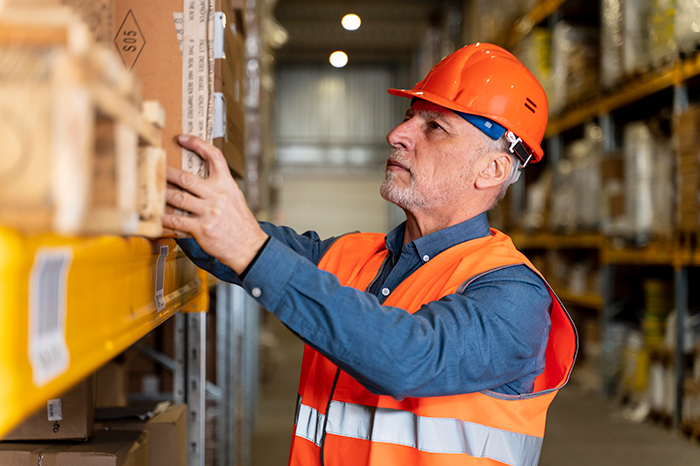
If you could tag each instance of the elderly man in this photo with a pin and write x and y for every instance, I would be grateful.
(439, 343)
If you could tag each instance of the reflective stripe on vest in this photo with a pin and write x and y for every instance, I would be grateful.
(429, 434)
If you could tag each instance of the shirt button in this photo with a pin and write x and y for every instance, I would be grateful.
(426, 258)
(256, 292)
(385, 291)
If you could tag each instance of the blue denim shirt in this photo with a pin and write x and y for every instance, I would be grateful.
(492, 336)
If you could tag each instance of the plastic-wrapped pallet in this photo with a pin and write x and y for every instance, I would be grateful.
(575, 64)
(611, 42)
(624, 40)
(635, 47)
(648, 182)
(686, 25)
(662, 46)
(534, 51)
(562, 214)
(585, 156)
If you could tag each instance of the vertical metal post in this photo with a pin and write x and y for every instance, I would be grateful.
(681, 289)
(249, 379)
(180, 374)
(222, 374)
(238, 407)
(608, 345)
(607, 127)
(681, 102)
(196, 385)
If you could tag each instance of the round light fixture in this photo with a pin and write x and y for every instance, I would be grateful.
(338, 59)
(351, 22)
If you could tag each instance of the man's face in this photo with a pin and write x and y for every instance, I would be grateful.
(432, 158)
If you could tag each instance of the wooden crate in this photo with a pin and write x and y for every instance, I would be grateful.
(82, 156)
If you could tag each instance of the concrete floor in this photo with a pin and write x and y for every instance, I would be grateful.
(582, 429)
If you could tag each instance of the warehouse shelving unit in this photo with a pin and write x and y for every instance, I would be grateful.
(69, 305)
(672, 256)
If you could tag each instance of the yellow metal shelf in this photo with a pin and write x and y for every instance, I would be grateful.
(539, 13)
(631, 91)
(591, 301)
(552, 241)
(659, 253)
(109, 298)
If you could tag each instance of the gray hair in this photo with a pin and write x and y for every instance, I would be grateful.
(501, 146)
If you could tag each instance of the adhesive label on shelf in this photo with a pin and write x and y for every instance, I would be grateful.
(160, 278)
(48, 351)
(55, 410)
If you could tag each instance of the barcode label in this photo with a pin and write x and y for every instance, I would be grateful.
(160, 278)
(48, 281)
(54, 409)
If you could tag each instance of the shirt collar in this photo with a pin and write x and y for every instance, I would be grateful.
(433, 244)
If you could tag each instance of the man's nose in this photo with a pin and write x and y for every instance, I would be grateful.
(401, 137)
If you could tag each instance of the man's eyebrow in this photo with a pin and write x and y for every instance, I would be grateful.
(434, 115)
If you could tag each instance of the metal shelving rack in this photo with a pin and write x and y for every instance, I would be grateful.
(69, 305)
(665, 254)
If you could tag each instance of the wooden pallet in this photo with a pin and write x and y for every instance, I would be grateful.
(83, 153)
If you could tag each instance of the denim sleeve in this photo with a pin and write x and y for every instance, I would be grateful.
(308, 245)
(492, 336)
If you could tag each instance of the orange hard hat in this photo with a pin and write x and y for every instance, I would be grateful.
(488, 81)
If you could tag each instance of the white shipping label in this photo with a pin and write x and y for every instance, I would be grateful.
(219, 29)
(48, 282)
(197, 78)
(160, 278)
(219, 115)
(54, 410)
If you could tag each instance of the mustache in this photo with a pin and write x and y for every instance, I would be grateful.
(397, 157)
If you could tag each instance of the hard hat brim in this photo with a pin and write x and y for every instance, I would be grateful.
(451, 105)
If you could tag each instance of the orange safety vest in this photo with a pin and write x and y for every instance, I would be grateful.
(340, 422)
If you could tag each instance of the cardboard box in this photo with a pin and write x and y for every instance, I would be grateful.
(128, 448)
(167, 432)
(149, 37)
(70, 417)
(111, 385)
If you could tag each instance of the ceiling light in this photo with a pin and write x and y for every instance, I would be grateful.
(338, 59)
(351, 22)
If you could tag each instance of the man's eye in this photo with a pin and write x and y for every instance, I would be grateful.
(434, 125)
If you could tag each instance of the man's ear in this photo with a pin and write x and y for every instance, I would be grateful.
(495, 172)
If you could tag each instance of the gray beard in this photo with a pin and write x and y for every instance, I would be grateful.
(413, 197)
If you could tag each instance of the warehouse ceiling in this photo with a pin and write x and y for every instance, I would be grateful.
(391, 29)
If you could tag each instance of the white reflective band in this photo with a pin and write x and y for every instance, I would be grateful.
(434, 435)
(309, 424)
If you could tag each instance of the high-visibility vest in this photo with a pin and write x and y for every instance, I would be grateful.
(340, 422)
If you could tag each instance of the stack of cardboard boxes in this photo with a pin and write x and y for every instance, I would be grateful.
(688, 169)
(64, 433)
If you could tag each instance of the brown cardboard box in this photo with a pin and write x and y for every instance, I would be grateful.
(147, 38)
(70, 417)
(111, 385)
(129, 448)
(167, 434)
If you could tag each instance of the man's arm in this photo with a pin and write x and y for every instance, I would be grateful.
(308, 245)
(492, 336)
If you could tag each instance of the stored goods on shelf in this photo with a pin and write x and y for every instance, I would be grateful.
(167, 430)
(73, 128)
(686, 32)
(106, 449)
(624, 39)
(575, 65)
(662, 45)
(534, 51)
(69, 417)
(612, 196)
(688, 169)
(648, 182)
(192, 62)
